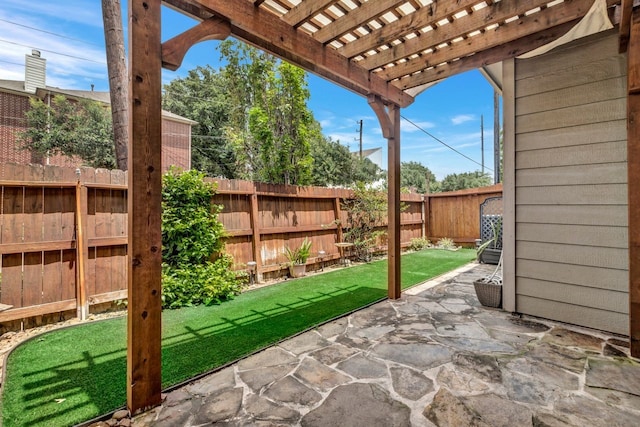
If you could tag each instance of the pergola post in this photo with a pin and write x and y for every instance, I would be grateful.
(389, 117)
(633, 182)
(144, 207)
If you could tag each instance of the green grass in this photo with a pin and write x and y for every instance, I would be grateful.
(67, 376)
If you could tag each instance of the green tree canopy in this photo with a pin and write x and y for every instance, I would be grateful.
(71, 128)
(201, 96)
(415, 174)
(460, 181)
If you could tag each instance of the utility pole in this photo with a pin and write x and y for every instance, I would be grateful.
(360, 122)
(496, 137)
(482, 140)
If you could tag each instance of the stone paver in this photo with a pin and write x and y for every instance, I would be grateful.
(434, 357)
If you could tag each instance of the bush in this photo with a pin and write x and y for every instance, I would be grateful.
(366, 211)
(419, 243)
(208, 283)
(194, 270)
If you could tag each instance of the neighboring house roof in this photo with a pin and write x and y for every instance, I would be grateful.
(17, 86)
(367, 153)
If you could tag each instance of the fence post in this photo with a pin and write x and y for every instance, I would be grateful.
(427, 212)
(255, 236)
(82, 251)
(338, 216)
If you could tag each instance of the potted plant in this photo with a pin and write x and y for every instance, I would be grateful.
(490, 251)
(298, 258)
(489, 288)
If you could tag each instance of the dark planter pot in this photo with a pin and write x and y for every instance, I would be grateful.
(490, 256)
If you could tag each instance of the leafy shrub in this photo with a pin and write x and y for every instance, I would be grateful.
(419, 243)
(208, 283)
(446, 243)
(194, 269)
(366, 211)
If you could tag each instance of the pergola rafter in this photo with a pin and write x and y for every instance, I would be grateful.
(385, 50)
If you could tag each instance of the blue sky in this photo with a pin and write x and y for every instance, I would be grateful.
(70, 36)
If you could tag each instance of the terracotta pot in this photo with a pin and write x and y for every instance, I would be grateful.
(297, 270)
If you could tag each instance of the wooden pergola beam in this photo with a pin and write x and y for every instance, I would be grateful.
(633, 179)
(389, 117)
(306, 9)
(491, 56)
(425, 16)
(144, 252)
(351, 21)
(626, 8)
(266, 31)
(503, 34)
(174, 50)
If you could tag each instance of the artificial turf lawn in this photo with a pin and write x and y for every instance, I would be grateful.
(67, 376)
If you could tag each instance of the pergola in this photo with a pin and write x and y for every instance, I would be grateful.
(386, 50)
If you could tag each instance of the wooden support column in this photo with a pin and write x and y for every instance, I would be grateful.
(144, 203)
(389, 117)
(633, 171)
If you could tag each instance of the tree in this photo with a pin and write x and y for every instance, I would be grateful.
(202, 96)
(273, 140)
(460, 181)
(80, 129)
(416, 175)
(117, 70)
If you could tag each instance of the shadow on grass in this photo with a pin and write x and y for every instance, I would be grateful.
(72, 389)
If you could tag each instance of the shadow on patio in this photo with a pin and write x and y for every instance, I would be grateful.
(435, 357)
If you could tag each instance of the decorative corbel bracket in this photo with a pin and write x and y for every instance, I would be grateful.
(174, 50)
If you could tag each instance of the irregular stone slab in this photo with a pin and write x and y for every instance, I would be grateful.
(319, 376)
(515, 339)
(461, 382)
(594, 413)
(220, 407)
(479, 365)
(357, 405)
(417, 328)
(173, 415)
(305, 343)
(432, 307)
(262, 409)
(411, 309)
(408, 338)
(456, 307)
(174, 398)
(618, 342)
(410, 384)
(621, 375)
(560, 356)
(354, 342)
(546, 419)
(256, 379)
(568, 338)
(553, 377)
(273, 356)
(379, 314)
(360, 367)
(612, 351)
(333, 354)
(615, 398)
(333, 328)
(213, 383)
(292, 390)
(524, 388)
(498, 411)
(371, 333)
(474, 345)
(468, 330)
(420, 356)
(508, 323)
(446, 410)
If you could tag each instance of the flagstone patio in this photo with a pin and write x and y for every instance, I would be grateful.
(434, 357)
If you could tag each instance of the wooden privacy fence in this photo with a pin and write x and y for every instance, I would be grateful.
(63, 238)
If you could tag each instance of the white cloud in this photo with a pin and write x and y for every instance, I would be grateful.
(407, 127)
(462, 118)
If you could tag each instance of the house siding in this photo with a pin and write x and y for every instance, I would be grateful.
(571, 236)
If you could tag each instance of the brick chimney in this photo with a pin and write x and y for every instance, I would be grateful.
(35, 72)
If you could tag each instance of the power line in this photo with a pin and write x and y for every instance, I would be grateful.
(445, 144)
(12, 63)
(50, 32)
(53, 52)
